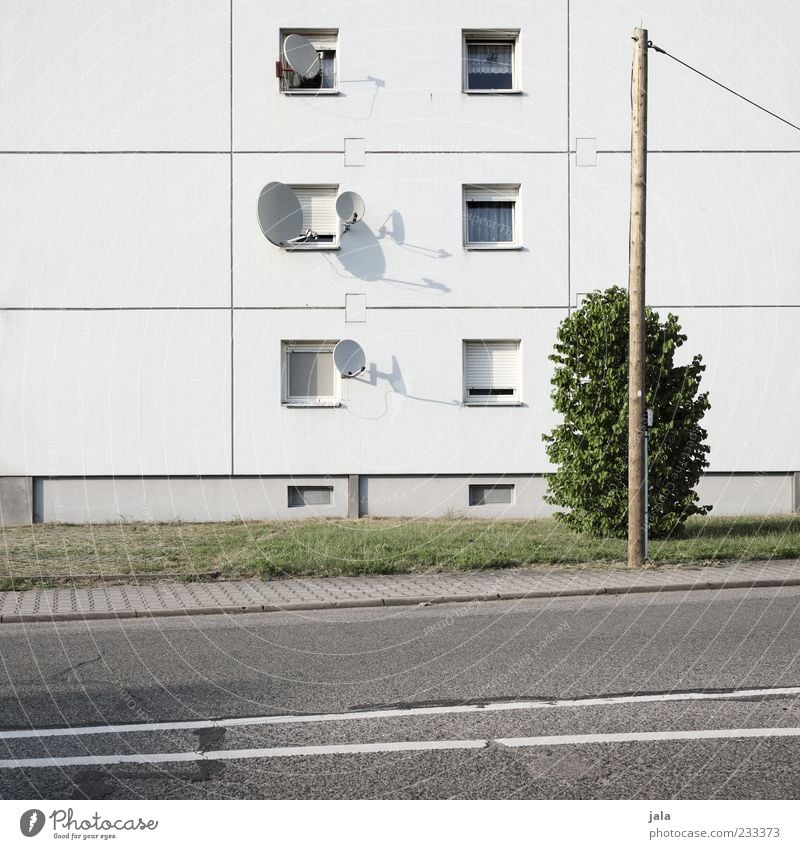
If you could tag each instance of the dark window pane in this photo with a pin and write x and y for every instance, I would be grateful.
(489, 391)
(490, 221)
(489, 66)
(310, 374)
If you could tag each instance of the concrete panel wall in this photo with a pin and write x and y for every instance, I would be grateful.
(266, 498)
(406, 414)
(409, 250)
(182, 500)
(116, 278)
(721, 228)
(744, 45)
(122, 392)
(94, 75)
(449, 497)
(753, 380)
(401, 81)
(115, 231)
(747, 495)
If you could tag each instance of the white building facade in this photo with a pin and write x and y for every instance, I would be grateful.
(160, 359)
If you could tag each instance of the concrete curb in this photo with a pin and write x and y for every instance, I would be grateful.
(399, 601)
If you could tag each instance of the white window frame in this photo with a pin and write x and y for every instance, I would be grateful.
(312, 245)
(320, 38)
(490, 36)
(502, 193)
(512, 399)
(290, 347)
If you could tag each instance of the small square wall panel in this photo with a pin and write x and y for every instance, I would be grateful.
(355, 152)
(355, 308)
(586, 152)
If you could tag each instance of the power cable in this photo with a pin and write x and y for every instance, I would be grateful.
(722, 85)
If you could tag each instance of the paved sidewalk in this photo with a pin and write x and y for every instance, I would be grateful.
(254, 596)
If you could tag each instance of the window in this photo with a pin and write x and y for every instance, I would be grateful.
(309, 376)
(490, 61)
(490, 217)
(325, 82)
(481, 495)
(319, 216)
(310, 496)
(491, 372)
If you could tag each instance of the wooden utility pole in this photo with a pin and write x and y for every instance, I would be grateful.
(636, 297)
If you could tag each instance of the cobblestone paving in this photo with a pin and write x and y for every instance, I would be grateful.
(169, 599)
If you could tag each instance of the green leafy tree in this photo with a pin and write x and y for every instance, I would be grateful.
(590, 446)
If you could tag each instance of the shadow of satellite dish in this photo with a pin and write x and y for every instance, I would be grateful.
(435, 284)
(398, 228)
(361, 255)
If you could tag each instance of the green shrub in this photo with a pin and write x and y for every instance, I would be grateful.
(590, 446)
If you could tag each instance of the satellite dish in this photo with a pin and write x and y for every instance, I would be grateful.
(301, 55)
(350, 207)
(280, 215)
(349, 359)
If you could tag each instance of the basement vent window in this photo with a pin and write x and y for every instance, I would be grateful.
(310, 496)
(492, 372)
(319, 216)
(481, 495)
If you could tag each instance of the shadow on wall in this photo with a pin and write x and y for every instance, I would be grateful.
(325, 104)
(397, 383)
(362, 256)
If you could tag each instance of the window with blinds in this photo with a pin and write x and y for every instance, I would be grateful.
(319, 215)
(490, 216)
(325, 43)
(492, 372)
(490, 61)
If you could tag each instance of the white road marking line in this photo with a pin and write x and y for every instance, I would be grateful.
(246, 754)
(647, 736)
(401, 746)
(396, 713)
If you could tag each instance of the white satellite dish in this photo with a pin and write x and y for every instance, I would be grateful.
(301, 55)
(350, 207)
(349, 359)
(280, 215)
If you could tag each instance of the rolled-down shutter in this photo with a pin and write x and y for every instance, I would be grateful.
(490, 193)
(319, 208)
(491, 367)
(323, 41)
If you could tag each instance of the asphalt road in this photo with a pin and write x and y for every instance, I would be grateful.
(423, 676)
